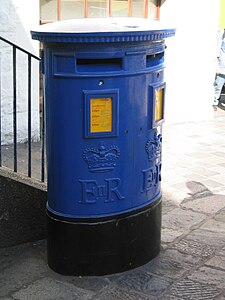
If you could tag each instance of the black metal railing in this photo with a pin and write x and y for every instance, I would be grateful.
(15, 49)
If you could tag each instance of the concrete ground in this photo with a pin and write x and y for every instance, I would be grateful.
(191, 264)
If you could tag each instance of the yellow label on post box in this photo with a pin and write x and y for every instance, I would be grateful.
(100, 115)
(158, 105)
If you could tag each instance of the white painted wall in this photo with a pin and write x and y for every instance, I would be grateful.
(190, 58)
(17, 17)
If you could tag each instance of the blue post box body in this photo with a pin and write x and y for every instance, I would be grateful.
(104, 91)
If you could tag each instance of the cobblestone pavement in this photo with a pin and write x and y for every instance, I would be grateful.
(191, 264)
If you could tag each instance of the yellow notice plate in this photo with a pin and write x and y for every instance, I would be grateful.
(100, 115)
(158, 105)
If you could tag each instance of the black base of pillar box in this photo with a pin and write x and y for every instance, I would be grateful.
(105, 245)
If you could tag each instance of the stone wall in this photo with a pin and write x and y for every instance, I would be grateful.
(22, 209)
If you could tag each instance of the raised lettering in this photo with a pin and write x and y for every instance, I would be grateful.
(88, 191)
(151, 177)
(112, 190)
(148, 177)
(91, 191)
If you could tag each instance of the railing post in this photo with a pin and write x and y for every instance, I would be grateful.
(29, 116)
(14, 110)
(0, 112)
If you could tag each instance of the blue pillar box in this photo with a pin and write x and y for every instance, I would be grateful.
(105, 94)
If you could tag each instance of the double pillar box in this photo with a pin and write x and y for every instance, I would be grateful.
(105, 95)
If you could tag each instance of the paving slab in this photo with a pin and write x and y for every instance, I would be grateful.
(171, 264)
(51, 289)
(116, 293)
(182, 219)
(169, 235)
(142, 282)
(195, 248)
(213, 225)
(190, 290)
(218, 262)
(210, 275)
(207, 204)
(220, 216)
(211, 238)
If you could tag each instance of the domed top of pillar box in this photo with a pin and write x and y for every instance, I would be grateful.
(102, 30)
